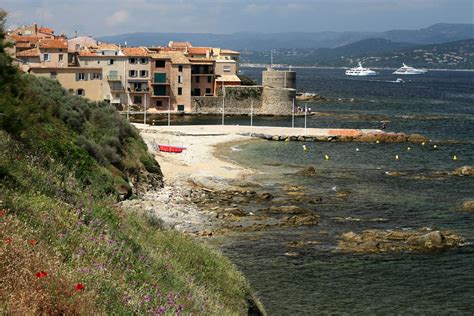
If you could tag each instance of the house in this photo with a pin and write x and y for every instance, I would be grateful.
(137, 76)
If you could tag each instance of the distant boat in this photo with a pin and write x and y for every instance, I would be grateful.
(407, 70)
(171, 149)
(360, 71)
(399, 80)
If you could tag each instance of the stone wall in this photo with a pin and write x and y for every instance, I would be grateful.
(239, 99)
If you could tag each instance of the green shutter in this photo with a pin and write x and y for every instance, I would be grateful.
(160, 77)
(159, 90)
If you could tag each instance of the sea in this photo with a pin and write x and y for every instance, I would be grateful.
(363, 186)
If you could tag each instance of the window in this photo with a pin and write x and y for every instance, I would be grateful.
(80, 76)
(160, 64)
(226, 68)
(144, 61)
(137, 99)
(96, 76)
(159, 103)
(197, 79)
(143, 73)
(132, 73)
(209, 79)
(160, 77)
(180, 79)
(197, 92)
(111, 62)
(180, 91)
(180, 68)
(181, 107)
(46, 57)
(53, 74)
(81, 92)
(208, 91)
(137, 86)
(61, 57)
(132, 60)
(71, 91)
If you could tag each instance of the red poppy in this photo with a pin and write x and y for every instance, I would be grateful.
(32, 242)
(7, 240)
(41, 274)
(79, 287)
(2, 213)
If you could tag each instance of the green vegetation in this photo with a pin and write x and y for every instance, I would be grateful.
(247, 81)
(66, 247)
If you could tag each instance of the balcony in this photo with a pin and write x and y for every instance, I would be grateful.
(117, 89)
(114, 78)
(139, 90)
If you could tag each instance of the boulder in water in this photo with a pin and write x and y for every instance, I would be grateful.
(468, 206)
(464, 171)
(308, 171)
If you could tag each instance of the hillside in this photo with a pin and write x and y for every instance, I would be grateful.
(376, 53)
(66, 246)
(259, 42)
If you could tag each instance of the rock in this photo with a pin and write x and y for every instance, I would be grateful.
(291, 209)
(235, 211)
(417, 138)
(265, 196)
(300, 138)
(370, 241)
(300, 220)
(293, 138)
(464, 171)
(277, 138)
(468, 206)
(308, 171)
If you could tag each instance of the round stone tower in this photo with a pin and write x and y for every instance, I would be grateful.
(280, 79)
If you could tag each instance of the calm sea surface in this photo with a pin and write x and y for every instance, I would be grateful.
(321, 279)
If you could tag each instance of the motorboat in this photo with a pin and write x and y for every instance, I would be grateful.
(407, 70)
(360, 71)
(170, 149)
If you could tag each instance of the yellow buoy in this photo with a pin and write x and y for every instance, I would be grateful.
(434, 146)
(357, 149)
(455, 157)
(377, 141)
(326, 157)
(396, 157)
(423, 144)
(408, 148)
(305, 148)
(287, 139)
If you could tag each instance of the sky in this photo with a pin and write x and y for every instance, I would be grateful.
(110, 17)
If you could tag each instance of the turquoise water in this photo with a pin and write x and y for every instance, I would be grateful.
(320, 279)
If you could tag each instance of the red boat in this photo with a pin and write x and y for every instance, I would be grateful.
(171, 149)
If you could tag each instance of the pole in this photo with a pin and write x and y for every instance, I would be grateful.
(293, 114)
(305, 112)
(223, 102)
(128, 111)
(251, 114)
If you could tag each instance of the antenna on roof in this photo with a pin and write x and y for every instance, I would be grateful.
(271, 59)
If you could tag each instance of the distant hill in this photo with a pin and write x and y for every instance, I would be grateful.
(253, 41)
(375, 53)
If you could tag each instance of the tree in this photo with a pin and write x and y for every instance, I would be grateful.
(8, 73)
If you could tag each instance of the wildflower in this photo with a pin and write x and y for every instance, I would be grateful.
(41, 274)
(32, 242)
(2, 213)
(79, 287)
(7, 240)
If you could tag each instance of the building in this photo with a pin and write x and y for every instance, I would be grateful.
(137, 77)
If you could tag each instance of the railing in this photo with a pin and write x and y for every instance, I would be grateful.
(114, 78)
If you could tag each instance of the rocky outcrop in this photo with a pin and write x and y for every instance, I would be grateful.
(308, 171)
(468, 206)
(373, 241)
(346, 136)
(464, 171)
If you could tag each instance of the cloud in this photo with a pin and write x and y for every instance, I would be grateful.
(119, 17)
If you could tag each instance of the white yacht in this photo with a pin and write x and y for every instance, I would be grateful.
(407, 70)
(360, 71)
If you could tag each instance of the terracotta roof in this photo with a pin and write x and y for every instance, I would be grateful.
(229, 52)
(19, 38)
(228, 78)
(24, 44)
(175, 57)
(46, 30)
(202, 61)
(107, 46)
(86, 52)
(198, 50)
(34, 52)
(135, 51)
(53, 43)
(179, 44)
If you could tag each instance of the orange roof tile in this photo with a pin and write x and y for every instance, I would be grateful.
(19, 38)
(53, 43)
(175, 57)
(24, 44)
(135, 51)
(198, 50)
(34, 52)
(46, 30)
(107, 46)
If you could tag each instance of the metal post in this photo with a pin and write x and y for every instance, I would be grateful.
(305, 112)
(251, 114)
(293, 115)
(128, 111)
(223, 102)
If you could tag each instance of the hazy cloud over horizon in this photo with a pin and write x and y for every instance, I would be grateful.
(107, 17)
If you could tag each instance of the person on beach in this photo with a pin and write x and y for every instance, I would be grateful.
(383, 125)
